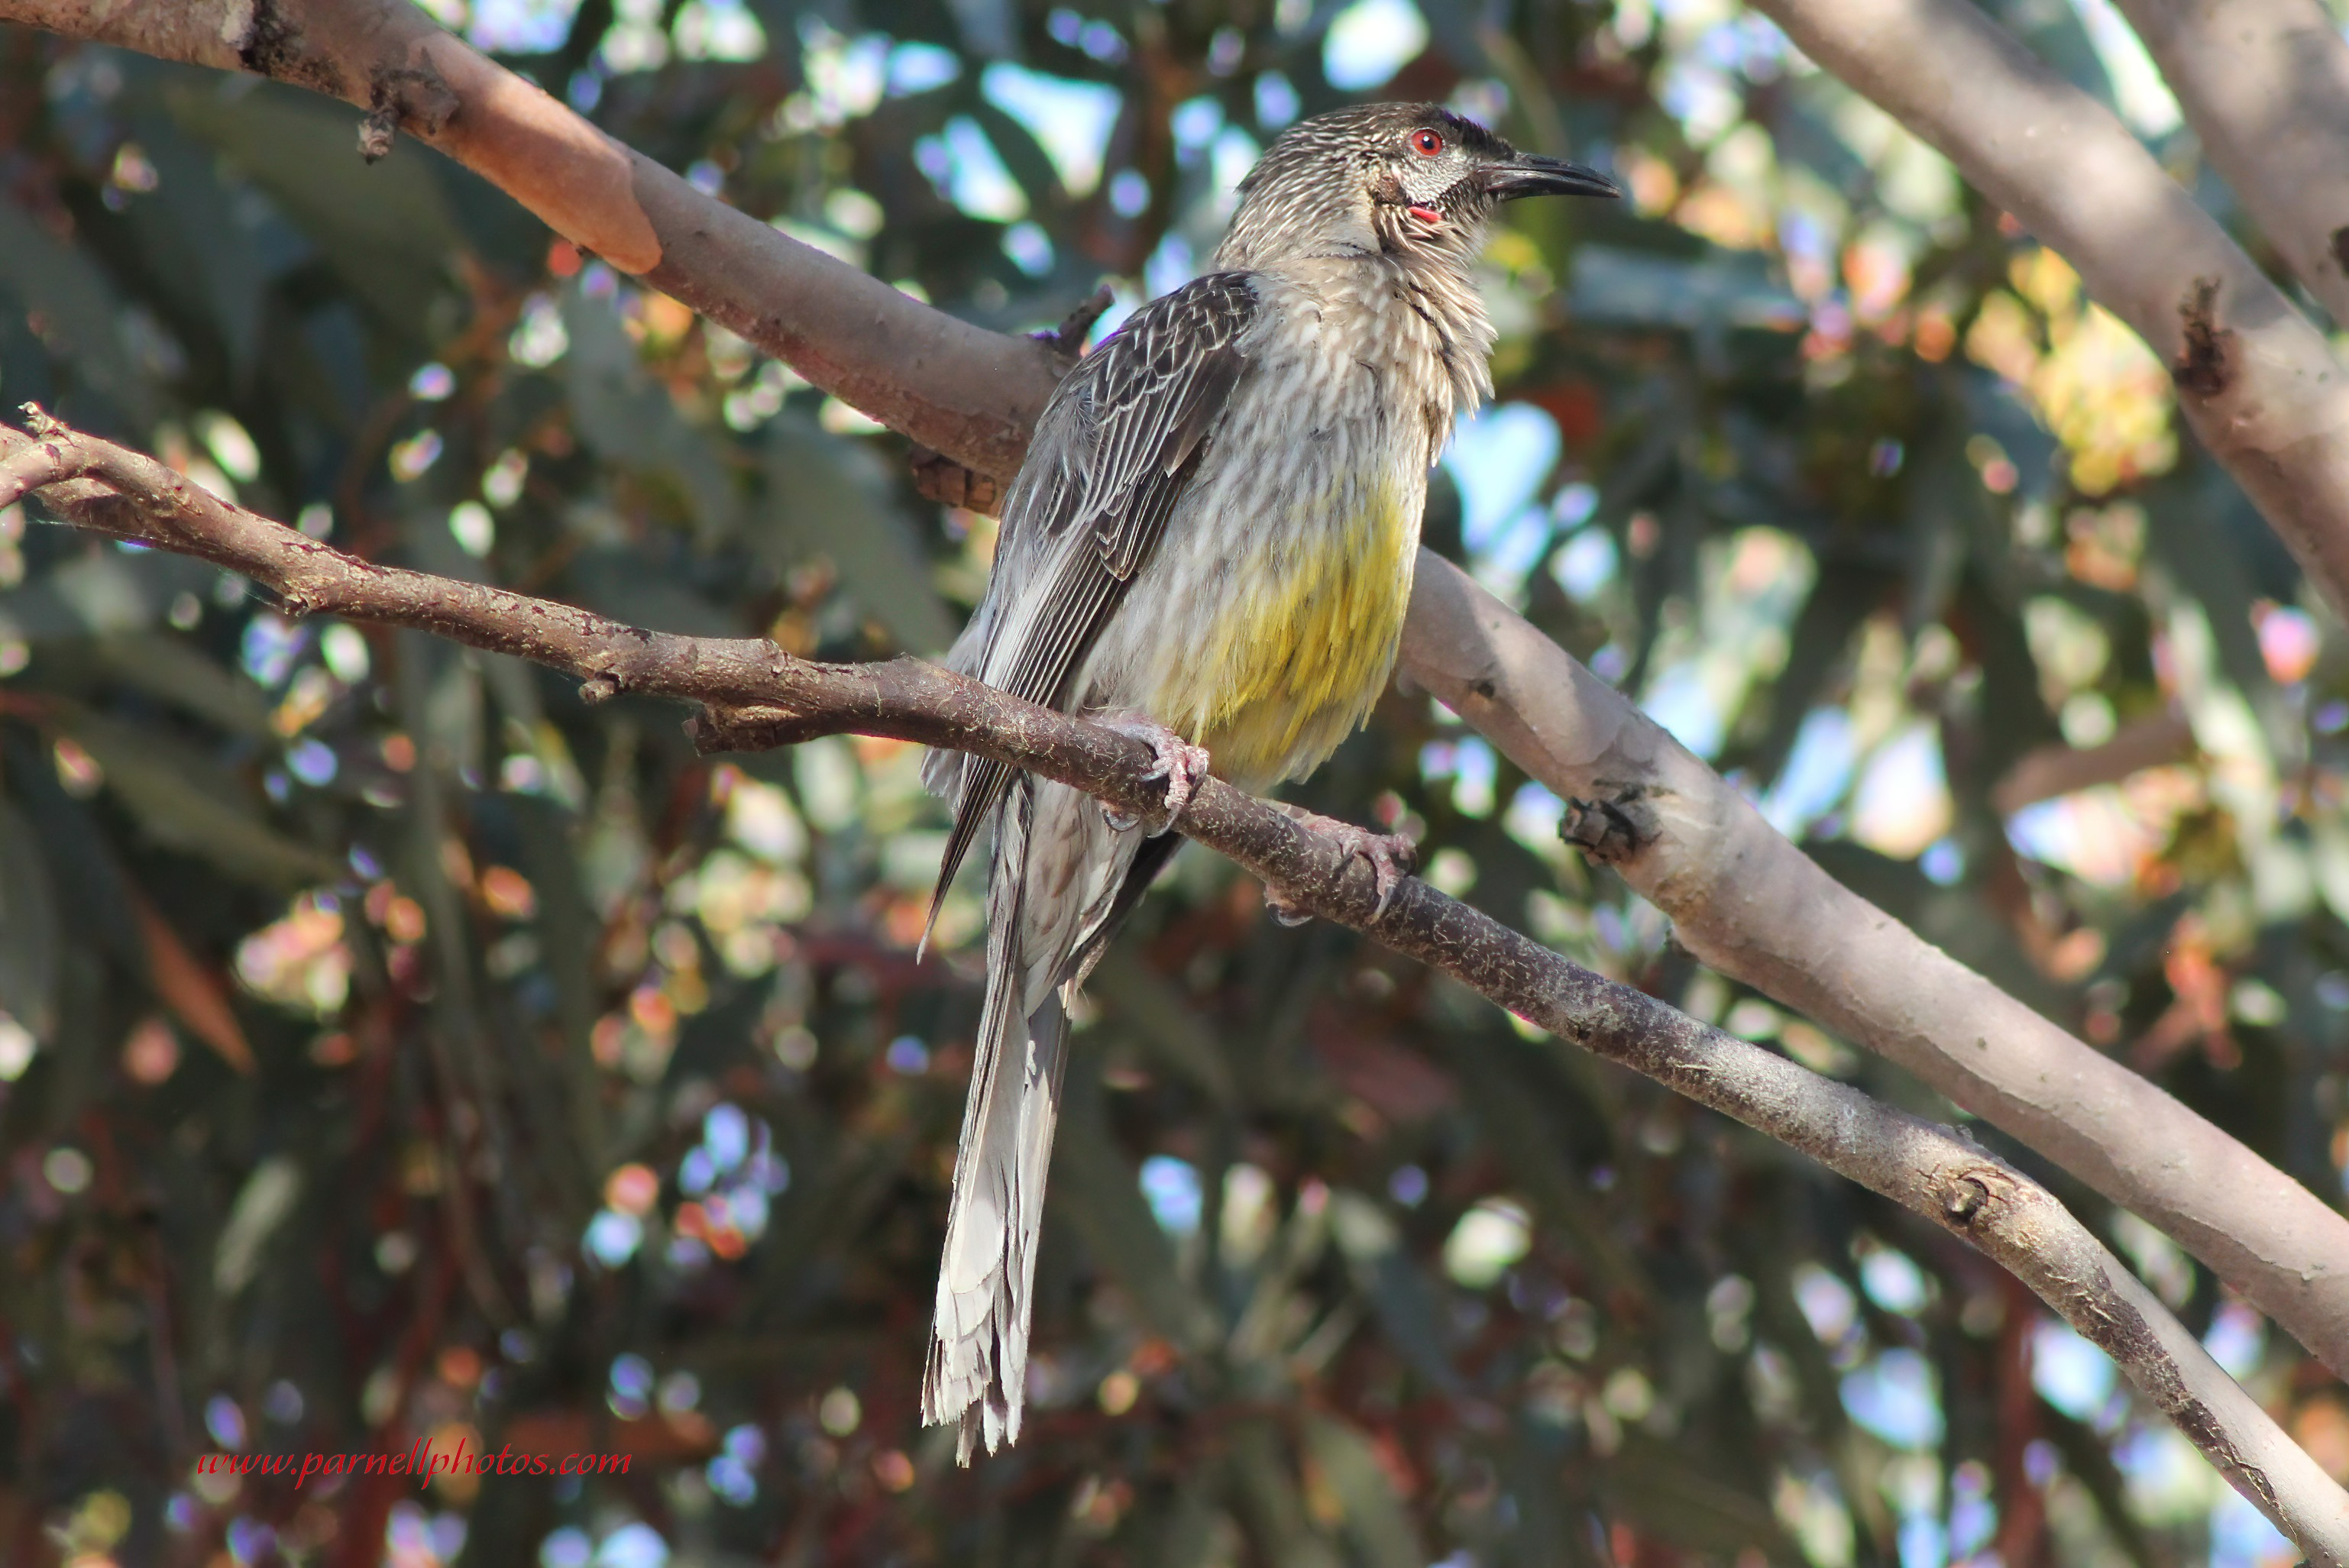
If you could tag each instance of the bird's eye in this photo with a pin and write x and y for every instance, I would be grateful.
(1427, 143)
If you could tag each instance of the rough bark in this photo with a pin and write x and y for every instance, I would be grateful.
(2265, 84)
(753, 696)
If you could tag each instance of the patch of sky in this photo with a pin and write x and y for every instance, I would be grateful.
(613, 1238)
(718, 30)
(1235, 153)
(1678, 699)
(1277, 103)
(1471, 766)
(726, 1133)
(1817, 773)
(1895, 1397)
(1586, 564)
(1922, 1541)
(1194, 123)
(965, 166)
(1701, 98)
(566, 1548)
(1827, 1302)
(2240, 1536)
(845, 76)
(520, 27)
(1893, 1282)
(1498, 458)
(1169, 267)
(2070, 1374)
(2144, 98)
(1071, 120)
(1533, 818)
(633, 1546)
(1129, 193)
(1170, 1188)
(1943, 862)
(271, 645)
(1030, 248)
(1098, 39)
(913, 68)
(313, 762)
(2237, 1338)
(1369, 41)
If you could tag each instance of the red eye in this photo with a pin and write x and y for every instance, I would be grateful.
(1427, 143)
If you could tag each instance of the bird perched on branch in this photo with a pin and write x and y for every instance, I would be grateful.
(1212, 538)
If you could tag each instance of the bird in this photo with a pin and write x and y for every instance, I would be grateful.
(1209, 545)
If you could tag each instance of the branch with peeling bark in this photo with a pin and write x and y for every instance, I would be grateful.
(752, 696)
(2265, 84)
(1742, 898)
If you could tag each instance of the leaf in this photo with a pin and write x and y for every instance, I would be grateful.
(29, 928)
(630, 417)
(73, 296)
(384, 227)
(193, 993)
(832, 496)
(1374, 1522)
(262, 1205)
(186, 804)
(176, 670)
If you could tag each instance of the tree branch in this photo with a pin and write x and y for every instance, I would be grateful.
(2265, 84)
(1749, 903)
(2258, 382)
(956, 388)
(752, 696)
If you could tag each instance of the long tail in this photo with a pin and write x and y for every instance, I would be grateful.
(977, 1368)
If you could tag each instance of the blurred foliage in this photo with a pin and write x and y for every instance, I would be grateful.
(396, 1047)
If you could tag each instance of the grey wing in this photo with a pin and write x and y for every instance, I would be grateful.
(1113, 453)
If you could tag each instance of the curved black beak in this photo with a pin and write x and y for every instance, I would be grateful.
(1529, 174)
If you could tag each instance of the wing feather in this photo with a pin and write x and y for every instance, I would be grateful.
(1113, 453)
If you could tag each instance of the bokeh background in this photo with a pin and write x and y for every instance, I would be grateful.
(392, 1046)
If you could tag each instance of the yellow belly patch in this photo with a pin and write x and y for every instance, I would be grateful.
(1297, 657)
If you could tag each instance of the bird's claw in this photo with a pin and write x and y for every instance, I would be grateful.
(1172, 759)
(1392, 858)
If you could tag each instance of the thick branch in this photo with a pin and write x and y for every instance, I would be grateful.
(2256, 381)
(755, 695)
(2265, 83)
(954, 388)
(1750, 904)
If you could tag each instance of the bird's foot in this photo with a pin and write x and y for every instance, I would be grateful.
(1391, 857)
(1174, 758)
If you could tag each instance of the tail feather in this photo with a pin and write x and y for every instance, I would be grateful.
(1061, 880)
(977, 1369)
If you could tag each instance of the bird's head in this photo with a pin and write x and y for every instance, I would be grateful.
(1387, 178)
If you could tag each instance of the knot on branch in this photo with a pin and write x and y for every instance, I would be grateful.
(715, 729)
(940, 479)
(1614, 828)
(2203, 366)
(1968, 1193)
(1067, 341)
(399, 96)
(599, 687)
